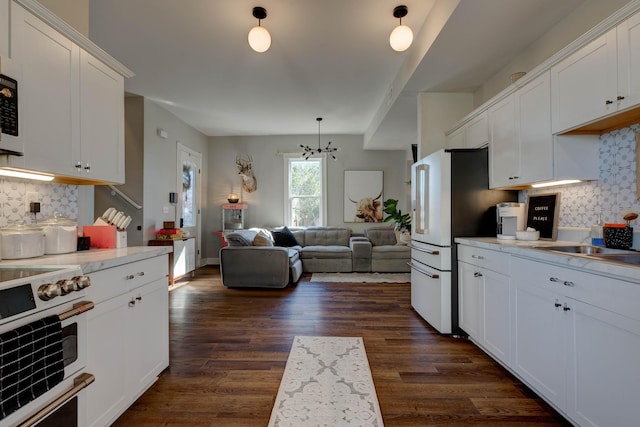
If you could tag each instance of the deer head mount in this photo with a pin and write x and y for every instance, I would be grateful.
(249, 182)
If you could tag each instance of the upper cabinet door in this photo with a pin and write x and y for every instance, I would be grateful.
(101, 152)
(584, 85)
(504, 156)
(629, 62)
(533, 129)
(4, 29)
(477, 131)
(48, 91)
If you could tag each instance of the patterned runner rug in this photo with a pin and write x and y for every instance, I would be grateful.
(362, 277)
(326, 382)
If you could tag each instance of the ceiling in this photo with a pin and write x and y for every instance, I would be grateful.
(328, 58)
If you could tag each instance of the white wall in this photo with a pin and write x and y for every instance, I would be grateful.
(437, 112)
(73, 12)
(160, 166)
(266, 204)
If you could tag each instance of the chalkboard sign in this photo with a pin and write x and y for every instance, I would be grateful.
(542, 214)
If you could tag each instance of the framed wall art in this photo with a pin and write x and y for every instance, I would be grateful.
(363, 196)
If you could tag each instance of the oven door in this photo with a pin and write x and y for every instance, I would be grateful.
(73, 319)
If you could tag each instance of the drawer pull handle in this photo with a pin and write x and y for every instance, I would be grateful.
(426, 273)
(477, 274)
(477, 256)
(426, 251)
(567, 283)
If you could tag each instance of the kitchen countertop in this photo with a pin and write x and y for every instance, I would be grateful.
(93, 259)
(576, 261)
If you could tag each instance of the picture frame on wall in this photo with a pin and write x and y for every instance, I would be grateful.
(363, 196)
(542, 214)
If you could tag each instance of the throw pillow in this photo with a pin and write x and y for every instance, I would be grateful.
(240, 238)
(284, 237)
(263, 237)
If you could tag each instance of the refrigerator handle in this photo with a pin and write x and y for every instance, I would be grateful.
(421, 197)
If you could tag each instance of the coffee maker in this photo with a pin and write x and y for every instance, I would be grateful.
(510, 217)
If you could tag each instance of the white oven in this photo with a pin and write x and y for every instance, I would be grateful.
(28, 296)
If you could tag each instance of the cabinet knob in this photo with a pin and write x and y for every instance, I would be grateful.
(554, 279)
(557, 304)
(78, 166)
(130, 277)
(138, 298)
(87, 168)
(567, 283)
(620, 98)
(566, 308)
(608, 102)
(477, 256)
(132, 303)
(140, 273)
(477, 274)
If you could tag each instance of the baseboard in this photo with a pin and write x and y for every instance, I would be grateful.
(210, 261)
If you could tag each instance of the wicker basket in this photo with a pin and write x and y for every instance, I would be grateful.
(618, 237)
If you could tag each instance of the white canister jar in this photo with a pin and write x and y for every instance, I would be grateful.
(61, 235)
(22, 241)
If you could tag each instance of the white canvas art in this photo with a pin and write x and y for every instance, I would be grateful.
(363, 196)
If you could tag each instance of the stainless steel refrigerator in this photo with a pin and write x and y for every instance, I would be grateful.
(450, 197)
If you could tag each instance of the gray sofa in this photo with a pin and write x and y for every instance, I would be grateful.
(249, 261)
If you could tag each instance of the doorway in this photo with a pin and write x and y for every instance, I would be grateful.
(189, 195)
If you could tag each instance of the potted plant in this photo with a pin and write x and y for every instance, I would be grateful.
(402, 220)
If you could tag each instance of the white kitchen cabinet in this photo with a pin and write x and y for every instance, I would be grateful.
(48, 92)
(100, 152)
(477, 134)
(599, 79)
(604, 377)
(522, 148)
(576, 337)
(473, 134)
(72, 104)
(484, 299)
(128, 335)
(4, 29)
(469, 299)
(457, 138)
(504, 154)
(539, 337)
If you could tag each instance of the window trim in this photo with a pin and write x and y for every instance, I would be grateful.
(288, 158)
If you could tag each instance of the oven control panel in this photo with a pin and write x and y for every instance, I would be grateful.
(25, 290)
(48, 291)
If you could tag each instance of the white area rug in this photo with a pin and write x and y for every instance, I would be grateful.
(326, 382)
(362, 277)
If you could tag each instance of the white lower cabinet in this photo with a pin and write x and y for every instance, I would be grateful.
(539, 340)
(576, 341)
(484, 293)
(128, 337)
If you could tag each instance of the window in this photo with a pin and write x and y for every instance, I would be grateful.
(305, 203)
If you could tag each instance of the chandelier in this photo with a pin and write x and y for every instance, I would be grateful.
(308, 151)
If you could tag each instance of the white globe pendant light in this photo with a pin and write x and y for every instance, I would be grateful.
(259, 38)
(401, 37)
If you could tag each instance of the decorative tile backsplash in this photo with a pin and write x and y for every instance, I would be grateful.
(52, 197)
(613, 195)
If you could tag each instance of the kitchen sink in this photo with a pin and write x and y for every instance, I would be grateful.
(586, 250)
(619, 256)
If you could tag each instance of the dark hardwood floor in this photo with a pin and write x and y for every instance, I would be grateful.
(228, 349)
